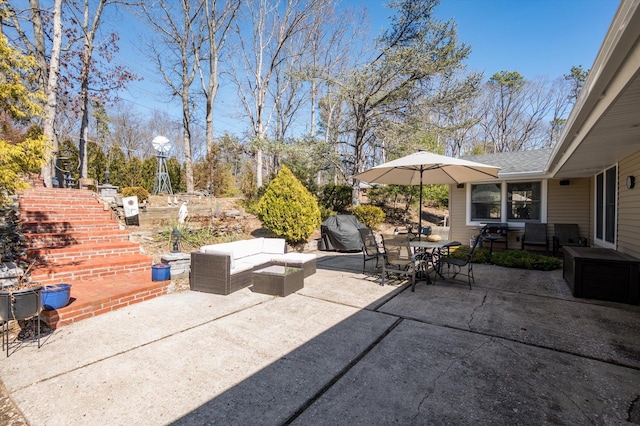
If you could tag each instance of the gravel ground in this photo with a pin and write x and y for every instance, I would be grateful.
(9, 413)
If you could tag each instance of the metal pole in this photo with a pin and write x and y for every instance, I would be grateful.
(420, 208)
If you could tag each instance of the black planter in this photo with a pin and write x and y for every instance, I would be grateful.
(20, 304)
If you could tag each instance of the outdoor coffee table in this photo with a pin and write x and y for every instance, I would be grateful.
(278, 280)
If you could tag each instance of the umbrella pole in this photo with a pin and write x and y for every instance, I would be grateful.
(420, 209)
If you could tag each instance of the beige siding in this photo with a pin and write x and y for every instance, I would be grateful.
(458, 216)
(570, 204)
(565, 204)
(628, 238)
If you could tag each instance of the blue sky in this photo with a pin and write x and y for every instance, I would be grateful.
(533, 37)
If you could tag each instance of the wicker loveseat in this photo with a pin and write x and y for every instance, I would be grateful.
(227, 267)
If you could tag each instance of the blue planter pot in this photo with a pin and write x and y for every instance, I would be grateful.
(55, 296)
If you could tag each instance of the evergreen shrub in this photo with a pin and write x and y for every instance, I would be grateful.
(520, 259)
(130, 191)
(336, 197)
(287, 209)
(525, 260)
(372, 216)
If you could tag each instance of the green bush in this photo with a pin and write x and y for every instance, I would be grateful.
(372, 216)
(325, 212)
(336, 197)
(511, 259)
(287, 209)
(525, 260)
(438, 194)
(130, 191)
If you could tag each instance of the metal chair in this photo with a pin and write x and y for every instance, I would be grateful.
(493, 232)
(566, 234)
(454, 265)
(370, 248)
(535, 234)
(399, 258)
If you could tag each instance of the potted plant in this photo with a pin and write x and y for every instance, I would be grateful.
(20, 298)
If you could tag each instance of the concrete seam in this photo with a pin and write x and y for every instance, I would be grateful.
(593, 358)
(341, 373)
(46, 379)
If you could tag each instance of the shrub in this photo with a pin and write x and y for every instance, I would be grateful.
(139, 191)
(438, 194)
(372, 216)
(325, 212)
(287, 209)
(336, 197)
(525, 260)
(512, 259)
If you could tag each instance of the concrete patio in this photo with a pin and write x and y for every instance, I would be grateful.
(517, 349)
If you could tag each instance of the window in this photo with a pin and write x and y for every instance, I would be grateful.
(486, 201)
(524, 200)
(516, 202)
(605, 214)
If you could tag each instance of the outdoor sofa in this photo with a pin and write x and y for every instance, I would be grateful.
(227, 267)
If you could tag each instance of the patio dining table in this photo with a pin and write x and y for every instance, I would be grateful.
(433, 250)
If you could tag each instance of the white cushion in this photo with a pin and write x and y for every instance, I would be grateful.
(244, 248)
(215, 249)
(273, 245)
(258, 259)
(241, 266)
(294, 258)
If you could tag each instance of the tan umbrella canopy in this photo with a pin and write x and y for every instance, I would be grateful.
(423, 167)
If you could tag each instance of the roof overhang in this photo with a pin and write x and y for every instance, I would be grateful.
(604, 125)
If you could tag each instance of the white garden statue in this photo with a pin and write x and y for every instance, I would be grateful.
(183, 212)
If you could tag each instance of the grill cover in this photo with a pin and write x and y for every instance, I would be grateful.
(340, 233)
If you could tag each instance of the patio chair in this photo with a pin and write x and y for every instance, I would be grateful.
(495, 232)
(398, 258)
(450, 267)
(535, 234)
(370, 248)
(566, 234)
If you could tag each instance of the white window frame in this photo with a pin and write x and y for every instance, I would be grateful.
(503, 208)
(602, 242)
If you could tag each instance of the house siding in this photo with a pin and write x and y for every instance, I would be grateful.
(571, 204)
(459, 230)
(628, 237)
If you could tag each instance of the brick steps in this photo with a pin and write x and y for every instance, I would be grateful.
(81, 252)
(73, 239)
(96, 297)
(69, 215)
(65, 239)
(65, 226)
(68, 271)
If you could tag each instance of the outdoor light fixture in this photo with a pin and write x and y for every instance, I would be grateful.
(68, 180)
(631, 182)
(175, 240)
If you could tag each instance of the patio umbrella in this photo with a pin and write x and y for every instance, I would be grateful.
(422, 168)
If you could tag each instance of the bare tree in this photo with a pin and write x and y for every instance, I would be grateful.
(129, 131)
(400, 80)
(175, 57)
(218, 18)
(514, 112)
(271, 27)
(89, 26)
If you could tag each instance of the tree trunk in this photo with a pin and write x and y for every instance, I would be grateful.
(49, 73)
